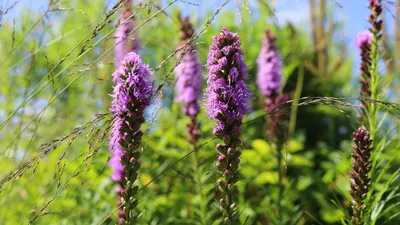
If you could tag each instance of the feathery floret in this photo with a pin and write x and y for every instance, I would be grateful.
(269, 63)
(228, 100)
(132, 94)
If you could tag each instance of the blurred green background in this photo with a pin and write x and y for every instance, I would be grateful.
(57, 63)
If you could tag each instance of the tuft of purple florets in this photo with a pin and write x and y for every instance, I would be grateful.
(188, 84)
(359, 174)
(189, 79)
(363, 41)
(125, 42)
(374, 18)
(132, 94)
(269, 66)
(228, 100)
(228, 97)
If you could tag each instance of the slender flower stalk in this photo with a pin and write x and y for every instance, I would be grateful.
(188, 84)
(228, 100)
(269, 78)
(376, 30)
(132, 93)
(269, 63)
(188, 93)
(125, 42)
(363, 42)
(276, 131)
(360, 180)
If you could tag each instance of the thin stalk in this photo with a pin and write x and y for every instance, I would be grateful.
(376, 21)
(387, 52)
(313, 22)
(321, 48)
(397, 35)
(373, 112)
(397, 42)
(193, 139)
(280, 181)
(296, 98)
(199, 190)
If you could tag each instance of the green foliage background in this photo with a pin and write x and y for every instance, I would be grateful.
(57, 67)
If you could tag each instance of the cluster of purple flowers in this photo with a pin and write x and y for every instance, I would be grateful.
(228, 97)
(374, 18)
(228, 100)
(269, 63)
(269, 78)
(188, 84)
(132, 94)
(360, 178)
(189, 79)
(359, 174)
(363, 41)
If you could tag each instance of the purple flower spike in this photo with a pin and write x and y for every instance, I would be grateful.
(132, 94)
(228, 97)
(188, 84)
(124, 41)
(269, 83)
(359, 174)
(269, 66)
(363, 42)
(374, 18)
(189, 79)
(228, 100)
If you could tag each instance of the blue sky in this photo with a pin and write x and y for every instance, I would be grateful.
(352, 12)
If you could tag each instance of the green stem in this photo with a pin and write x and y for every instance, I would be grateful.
(280, 182)
(373, 112)
(373, 108)
(199, 190)
(295, 103)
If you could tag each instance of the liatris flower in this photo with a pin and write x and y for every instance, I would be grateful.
(125, 42)
(376, 9)
(188, 84)
(359, 173)
(228, 100)
(269, 66)
(269, 82)
(363, 42)
(132, 93)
